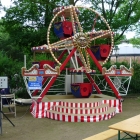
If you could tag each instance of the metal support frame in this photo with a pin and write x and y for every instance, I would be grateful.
(91, 79)
(121, 83)
(135, 137)
(52, 80)
(96, 86)
(1, 112)
(106, 77)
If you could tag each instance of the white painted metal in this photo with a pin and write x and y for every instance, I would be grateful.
(3, 82)
(74, 79)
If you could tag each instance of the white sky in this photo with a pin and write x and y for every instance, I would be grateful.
(4, 3)
(125, 48)
(7, 4)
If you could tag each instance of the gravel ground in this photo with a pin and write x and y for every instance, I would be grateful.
(29, 128)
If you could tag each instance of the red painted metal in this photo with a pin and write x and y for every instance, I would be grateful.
(104, 50)
(45, 90)
(94, 84)
(106, 77)
(41, 63)
(82, 90)
(90, 78)
(67, 28)
(61, 55)
(67, 59)
(95, 60)
(52, 80)
(112, 87)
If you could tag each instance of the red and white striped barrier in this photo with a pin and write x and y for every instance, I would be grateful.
(52, 110)
(82, 118)
(38, 110)
(114, 103)
(80, 104)
(80, 110)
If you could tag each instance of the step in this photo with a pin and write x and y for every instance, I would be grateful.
(78, 110)
(68, 117)
(80, 103)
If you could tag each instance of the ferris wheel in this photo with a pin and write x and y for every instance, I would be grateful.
(75, 27)
(77, 37)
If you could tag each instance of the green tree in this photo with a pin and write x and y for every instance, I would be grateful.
(8, 46)
(27, 21)
(135, 42)
(121, 15)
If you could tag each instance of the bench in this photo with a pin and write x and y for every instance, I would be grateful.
(105, 135)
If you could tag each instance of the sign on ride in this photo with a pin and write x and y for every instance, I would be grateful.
(35, 82)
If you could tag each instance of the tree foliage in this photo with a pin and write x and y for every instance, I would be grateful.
(26, 22)
(121, 15)
(7, 65)
(135, 42)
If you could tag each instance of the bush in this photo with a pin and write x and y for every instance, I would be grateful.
(22, 93)
(135, 81)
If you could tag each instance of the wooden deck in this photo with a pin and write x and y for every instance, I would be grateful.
(71, 98)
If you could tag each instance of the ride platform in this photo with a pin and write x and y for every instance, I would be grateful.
(67, 108)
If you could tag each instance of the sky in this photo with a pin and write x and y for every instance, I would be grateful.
(8, 2)
(5, 2)
(126, 48)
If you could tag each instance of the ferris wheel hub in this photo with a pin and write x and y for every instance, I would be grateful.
(81, 40)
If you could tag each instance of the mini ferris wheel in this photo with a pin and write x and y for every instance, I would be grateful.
(83, 37)
(79, 36)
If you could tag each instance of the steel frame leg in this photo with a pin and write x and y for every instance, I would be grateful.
(106, 77)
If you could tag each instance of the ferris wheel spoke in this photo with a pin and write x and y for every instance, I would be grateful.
(87, 59)
(63, 43)
(84, 61)
(62, 46)
(72, 19)
(77, 20)
(97, 33)
(100, 34)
